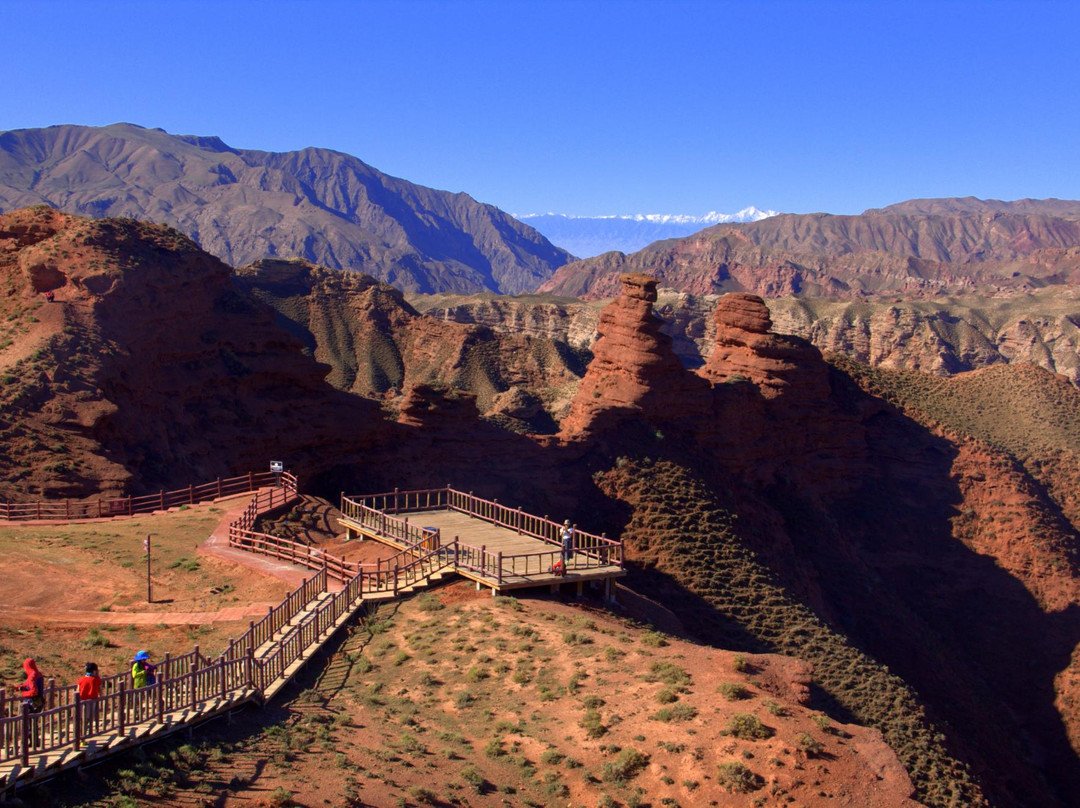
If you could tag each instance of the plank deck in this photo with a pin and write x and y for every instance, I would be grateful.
(496, 539)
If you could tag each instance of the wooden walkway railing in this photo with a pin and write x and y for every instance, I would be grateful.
(192, 687)
(102, 508)
(379, 514)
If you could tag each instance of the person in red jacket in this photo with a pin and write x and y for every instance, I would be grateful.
(89, 688)
(33, 692)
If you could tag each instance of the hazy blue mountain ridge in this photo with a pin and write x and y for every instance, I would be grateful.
(242, 205)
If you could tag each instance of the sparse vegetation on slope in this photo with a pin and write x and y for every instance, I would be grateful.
(431, 731)
(675, 510)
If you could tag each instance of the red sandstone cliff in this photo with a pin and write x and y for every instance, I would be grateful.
(148, 368)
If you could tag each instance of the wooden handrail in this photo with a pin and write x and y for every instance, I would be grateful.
(589, 549)
(102, 507)
(189, 681)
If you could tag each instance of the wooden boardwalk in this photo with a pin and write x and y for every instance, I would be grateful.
(495, 546)
(191, 689)
(437, 532)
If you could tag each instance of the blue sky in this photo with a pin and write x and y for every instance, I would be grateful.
(588, 108)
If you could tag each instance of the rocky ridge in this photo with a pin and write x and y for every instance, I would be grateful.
(941, 336)
(243, 205)
(850, 257)
(145, 364)
(379, 346)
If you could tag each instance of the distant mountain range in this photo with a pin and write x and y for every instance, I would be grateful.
(242, 205)
(921, 248)
(586, 236)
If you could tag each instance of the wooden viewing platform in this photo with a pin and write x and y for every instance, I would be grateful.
(495, 546)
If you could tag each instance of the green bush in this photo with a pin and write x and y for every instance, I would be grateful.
(733, 691)
(678, 712)
(810, 746)
(625, 766)
(748, 727)
(669, 673)
(593, 725)
(736, 778)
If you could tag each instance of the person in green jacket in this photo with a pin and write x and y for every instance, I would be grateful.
(142, 672)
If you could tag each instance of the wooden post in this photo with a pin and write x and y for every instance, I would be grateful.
(120, 701)
(25, 727)
(160, 687)
(221, 678)
(498, 573)
(161, 500)
(519, 520)
(194, 684)
(219, 488)
(129, 506)
(76, 735)
(67, 508)
(251, 481)
(249, 666)
(149, 590)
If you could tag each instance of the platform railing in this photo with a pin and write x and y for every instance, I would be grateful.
(106, 507)
(378, 513)
(190, 685)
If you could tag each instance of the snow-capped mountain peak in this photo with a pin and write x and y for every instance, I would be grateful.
(585, 236)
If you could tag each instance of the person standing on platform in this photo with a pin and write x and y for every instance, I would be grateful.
(89, 688)
(567, 536)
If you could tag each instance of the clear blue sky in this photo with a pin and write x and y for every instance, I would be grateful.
(588, 107)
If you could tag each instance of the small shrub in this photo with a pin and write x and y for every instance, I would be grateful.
(280, 798)
(736, 778)
(810, 746)
(593, 725)
(669, 673)
(508, 602)
(95, 639)
(678, 712)
(429, 602)
(592, 702)
(733, 691)
(464, 700)
(494, 748)
(740, 664)
(409, 743)
(775, 708)
(625, 766)
(552, 757)
(653, 639)
(667, 696)
(425, 796)
(748, 727)
(612, 654)
(475, 674)
(475, 780)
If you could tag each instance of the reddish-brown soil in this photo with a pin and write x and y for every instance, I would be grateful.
(456, 698)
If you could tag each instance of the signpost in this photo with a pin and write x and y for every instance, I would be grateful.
(146, 549)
